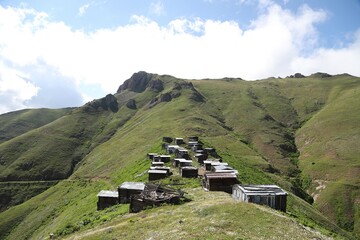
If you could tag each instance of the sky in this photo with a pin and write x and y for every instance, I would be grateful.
(64, 53)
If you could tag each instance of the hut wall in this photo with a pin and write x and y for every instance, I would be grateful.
(125, 194)
(189, 173)
(105, 202)
(280, 202)
(167, 139)
(193, 139)
(136, 205)
(221, 184)
(165, 159)
(156, 176)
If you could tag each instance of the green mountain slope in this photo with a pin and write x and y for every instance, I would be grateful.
(314, 118)
(261, 128)
(16, 123)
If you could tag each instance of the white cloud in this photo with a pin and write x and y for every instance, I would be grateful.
(333, 61)
(15, 90)
(83, 9)
(157, 8)
(278, 43)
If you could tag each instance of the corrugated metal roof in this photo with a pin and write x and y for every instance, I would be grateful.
(189, 167)
(220, 175)
(214, 163)
(185, 161)
(157, 163)
(173, 146)
(158, 171)
(222, 167)
(133, 185)
(160, 168)
(111, 194)
(261, 189)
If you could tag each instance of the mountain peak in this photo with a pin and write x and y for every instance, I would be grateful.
(139, 81)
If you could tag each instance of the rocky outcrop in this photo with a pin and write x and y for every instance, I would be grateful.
(156, 85)
(166, 97)
(140, 81)
(297, 75)
(109, 102)
(176, 92)
(320, 75)
(137, 82)
(131, 104)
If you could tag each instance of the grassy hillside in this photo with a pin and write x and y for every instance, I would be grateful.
(14, 193)
(257, 127)
(14, 124)
(330, 148)
(307, 128)
(211, 215)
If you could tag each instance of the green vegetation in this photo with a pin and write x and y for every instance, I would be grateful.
(14, 193)
(14, 124)
(301, 134)
(211, 215)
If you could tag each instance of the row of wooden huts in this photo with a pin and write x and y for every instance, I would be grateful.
(219, 176)
(140, 195)
(216, 176)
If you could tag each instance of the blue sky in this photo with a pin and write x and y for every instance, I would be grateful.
(342, 20)
(85, 49)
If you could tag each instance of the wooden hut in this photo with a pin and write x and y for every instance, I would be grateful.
(193, 139)
(209, 163)
(179, 141)
(177, 161)
(157, 174)
(200, 157)
(107, 199)
(193, 143)
(156, 158)
(188, 172)
(167, 139)
(171, 148)
(164, 158)
(185, 163)
(151, 155)
(219, 182)
(128, 189)
(196, 147)
(270, 195)
(167, 169)
(157, 164)
(182, 153)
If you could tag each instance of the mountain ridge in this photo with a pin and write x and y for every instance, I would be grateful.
(258, 127)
